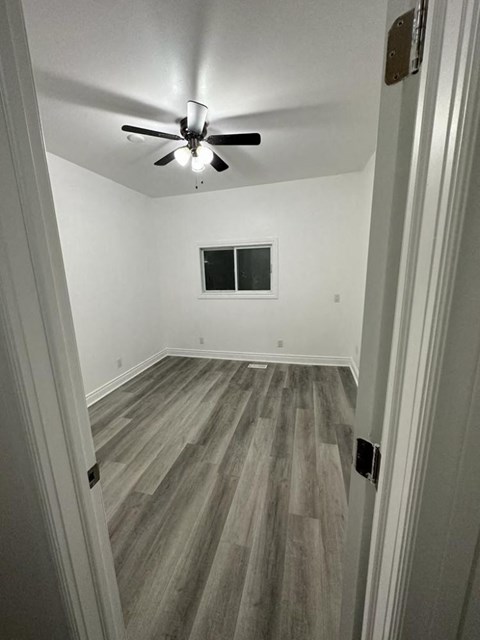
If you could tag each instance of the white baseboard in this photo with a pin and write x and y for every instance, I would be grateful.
(326, 361)
(354, 370)
(108, 387)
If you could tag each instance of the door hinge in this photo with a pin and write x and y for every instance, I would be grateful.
(367, 460)
(93, 475)
(405, 42)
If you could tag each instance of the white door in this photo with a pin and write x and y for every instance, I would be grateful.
(398, 107)
(38, 330)
(422, 147)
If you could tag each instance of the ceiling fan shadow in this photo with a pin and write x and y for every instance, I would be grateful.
(82, 94)
(198, 58)
(242, 160)
(310, 116)
(146, 155)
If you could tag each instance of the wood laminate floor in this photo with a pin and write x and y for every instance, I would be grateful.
(225, 493)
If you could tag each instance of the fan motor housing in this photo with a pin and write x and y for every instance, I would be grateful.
(190, 136)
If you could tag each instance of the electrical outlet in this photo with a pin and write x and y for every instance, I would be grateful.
(336, 297)
(201, 340)
(119, 363)
(279, 343)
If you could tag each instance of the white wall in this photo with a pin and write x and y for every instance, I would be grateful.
(133, 271)
(112, 265)
(322, 227)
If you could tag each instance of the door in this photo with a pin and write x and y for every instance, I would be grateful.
(398, 107)
(423, 148)
(38, 337)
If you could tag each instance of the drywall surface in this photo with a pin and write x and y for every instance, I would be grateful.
(322, 228)
(112, 265)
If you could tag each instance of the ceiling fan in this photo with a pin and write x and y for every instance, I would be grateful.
(193, 130)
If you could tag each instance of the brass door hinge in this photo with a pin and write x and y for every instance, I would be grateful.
(405, 42)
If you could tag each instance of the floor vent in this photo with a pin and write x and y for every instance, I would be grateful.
(255, 365)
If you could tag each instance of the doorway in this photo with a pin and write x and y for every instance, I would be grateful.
(166, 364)
(47, 307)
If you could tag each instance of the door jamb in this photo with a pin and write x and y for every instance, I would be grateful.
(447, 117)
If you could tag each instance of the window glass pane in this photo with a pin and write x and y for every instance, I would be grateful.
(219, 270)
(253, 269)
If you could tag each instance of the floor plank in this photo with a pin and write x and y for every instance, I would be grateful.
(332, 523)
(259, 614)
(250, 494)
(305, 490)
(345, 439)
(304, 615)
(282, 445)
(178, 607)
(158, 546)
(216, 618)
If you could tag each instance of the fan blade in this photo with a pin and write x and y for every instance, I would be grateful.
(217, 163)
(166, 159)
(196, 116)
(235, 138)
(149, 132)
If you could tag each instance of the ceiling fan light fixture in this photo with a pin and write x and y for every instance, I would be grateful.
(198, 164)
(182, 156)
(205, 154)
(193, 130)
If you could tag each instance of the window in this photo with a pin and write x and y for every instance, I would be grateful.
(243, 270)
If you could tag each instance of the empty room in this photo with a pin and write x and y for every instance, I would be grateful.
(212, 165)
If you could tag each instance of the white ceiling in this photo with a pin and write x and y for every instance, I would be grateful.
(306, 74)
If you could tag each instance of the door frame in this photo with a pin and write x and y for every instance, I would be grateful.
(429, 252)
(445, 133)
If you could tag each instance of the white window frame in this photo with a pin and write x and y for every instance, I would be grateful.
(271, 243)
